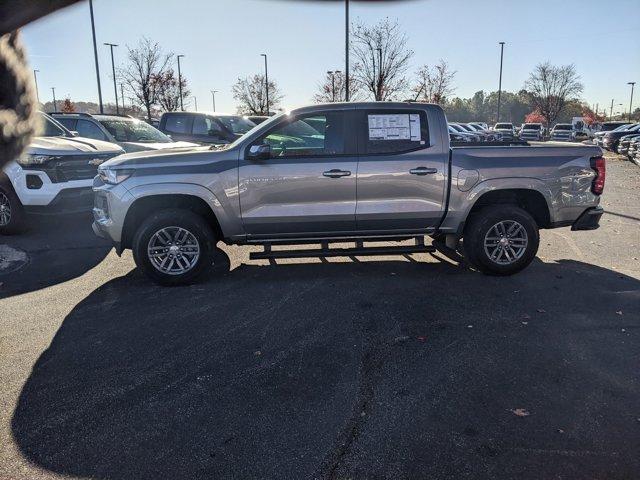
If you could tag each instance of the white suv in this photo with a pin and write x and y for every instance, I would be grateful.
(54, 176)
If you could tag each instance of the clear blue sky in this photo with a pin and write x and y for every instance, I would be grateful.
(222, 40)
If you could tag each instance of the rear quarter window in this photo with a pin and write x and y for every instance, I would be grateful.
(389, 131)
(177, 124)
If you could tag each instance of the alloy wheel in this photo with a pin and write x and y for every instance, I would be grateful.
(5, 210)
(173, 250)
(506, 242)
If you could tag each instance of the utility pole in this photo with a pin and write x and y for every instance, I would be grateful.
(333, 85)
(95, 54)
(266, 80)
(213, 99)
(379, 73)
(35, 79)
(500, 81)
(346, 50)
(180, 83)
(195, 101)
(611, 110)
(631, 101)
(122, 97)
(55, 104)
(113, 68)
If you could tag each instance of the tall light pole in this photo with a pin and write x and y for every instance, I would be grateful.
(379, 73)
(266, 80)
(113, 68)
(55, 104)
(213, 98)
(95, 55)
(346, 50)
(122, 97)
(631, 101)
(500, 81)
(180, 83)
(35, 79)
(611, 110)
(195, 101)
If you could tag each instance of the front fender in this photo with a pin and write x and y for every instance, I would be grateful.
(230, 223)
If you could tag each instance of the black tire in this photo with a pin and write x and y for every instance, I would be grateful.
(478, 227)
(182, 219)
(17, 221)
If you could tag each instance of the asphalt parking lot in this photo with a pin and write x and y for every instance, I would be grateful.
(399, 367)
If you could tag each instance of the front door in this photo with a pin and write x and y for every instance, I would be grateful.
(308, 185)
(401, 173)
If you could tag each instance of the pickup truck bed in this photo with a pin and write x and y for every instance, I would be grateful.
(353, 171)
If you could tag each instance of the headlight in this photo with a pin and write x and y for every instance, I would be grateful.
(35, 159)
(113, 177)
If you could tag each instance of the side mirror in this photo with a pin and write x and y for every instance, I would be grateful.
(260, 152)
(74, 133)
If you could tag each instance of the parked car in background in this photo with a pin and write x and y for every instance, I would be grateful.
(131, 134)
(456, 136)
(634, 145)
(473, 135)
(563, 132)
(363, 171)
(625, 143)
(483, 125)
(54, 176)
(258, 119)
(507, 130)
(607, 127)
(205, 128)
(611, 139)
(532, 131)
(489, 135)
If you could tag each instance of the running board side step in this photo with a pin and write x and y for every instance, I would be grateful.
(359, 250)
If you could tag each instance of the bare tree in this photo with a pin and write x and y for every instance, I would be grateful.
(552, 88)
(250, 93)
(434, 83)
(168, 91)
(382, 58)
(147, 62)
(332, 88)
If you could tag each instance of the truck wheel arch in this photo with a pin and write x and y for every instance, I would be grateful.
(530, 200)
(143, 206)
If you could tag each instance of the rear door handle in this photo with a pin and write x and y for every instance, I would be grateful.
(423, 171)
(335, 173)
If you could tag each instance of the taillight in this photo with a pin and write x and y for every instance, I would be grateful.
(598, 164)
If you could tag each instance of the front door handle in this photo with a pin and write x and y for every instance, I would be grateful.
(423, 171)
(335, 173)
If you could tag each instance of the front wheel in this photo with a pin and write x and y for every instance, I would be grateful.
(12, 219)
(174, 247)
(501, 240)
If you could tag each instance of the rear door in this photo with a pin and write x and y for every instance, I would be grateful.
(308, 186)
(401, 170)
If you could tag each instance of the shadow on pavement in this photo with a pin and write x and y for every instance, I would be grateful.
(58, 249)
(344, 370)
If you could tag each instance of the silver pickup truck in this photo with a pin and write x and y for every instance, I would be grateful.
(346, 172)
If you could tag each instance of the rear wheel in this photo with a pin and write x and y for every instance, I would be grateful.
(501, 240)
(174, 247)
(12, 218)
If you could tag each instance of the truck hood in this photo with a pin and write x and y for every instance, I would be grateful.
(71, 146)
(130, 147)
(162, 157)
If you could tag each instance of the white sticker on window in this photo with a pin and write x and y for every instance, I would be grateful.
(400, 126)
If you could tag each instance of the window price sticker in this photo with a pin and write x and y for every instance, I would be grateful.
(401, 126)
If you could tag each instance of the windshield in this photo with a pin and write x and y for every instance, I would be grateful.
(612, 127)
(51, 128)
(236, 125)
(503, 126)
(457, 128)
(563, 126)
(619, 128)
(531, 126)
(125, 130)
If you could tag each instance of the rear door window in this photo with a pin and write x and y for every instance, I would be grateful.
(178, 124)
(389, 131)
(69, 123)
